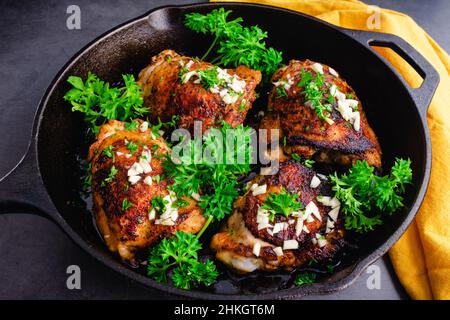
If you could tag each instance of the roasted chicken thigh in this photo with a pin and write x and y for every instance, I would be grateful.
(320, 115)
(196, 90)
(250, 240)
(133, 207)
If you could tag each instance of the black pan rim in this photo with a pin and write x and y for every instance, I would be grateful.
(296, 292)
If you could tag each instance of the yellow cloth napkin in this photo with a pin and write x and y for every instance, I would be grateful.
(421, 257)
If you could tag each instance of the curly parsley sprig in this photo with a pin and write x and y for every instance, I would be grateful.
(180, 255)
(216, 180)
(235, 44)
(362, 191)
(100, 102)
(282, 203)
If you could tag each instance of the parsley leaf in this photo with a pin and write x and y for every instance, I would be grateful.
(133, 147)
(362, 191)
(180, 203)
(305, 78)
(169, 124)
(281, 203)
(281, 92)
(108, 151)
(131, 126)
(111, 176)
(209, 77)
(126, 204)
(159, 204)
(305, 278)
(180, 254)
(306, 162)
(242, 106)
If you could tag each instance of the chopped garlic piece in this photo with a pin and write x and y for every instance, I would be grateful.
(262, 218)
(278, 251)
(147, 155)
(152, 214)
(188, 75)
(333, 72)
(311, 208)
(333, 90)
(148, 180)
(330, 225)
(352, 103)
(259, 190)
(135, 170)
(256, 249)
(299, 227)
(144, 126)
(290, 244)
(195, 196)
(315, 182)
(230, 98)
(296, 214)
(357, 121)
(265, 226)
(334, 202)
(166, 222)
(329, 121)
(345, 110)
(317, 67)
(145, 165)
(189, 64)
(237, 85)
(134, 179)
(325, 200)
(322, 242)
(333, 214)
(278, 227)
(339, 96)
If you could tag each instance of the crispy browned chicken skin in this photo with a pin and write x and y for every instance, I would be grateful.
(235, 244)
(129, 226)
(165, 94)
(336, 141)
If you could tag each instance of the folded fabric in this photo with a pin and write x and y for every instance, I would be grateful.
(421, 257)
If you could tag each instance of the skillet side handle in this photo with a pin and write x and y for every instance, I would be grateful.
(422, 96)
(22, 190)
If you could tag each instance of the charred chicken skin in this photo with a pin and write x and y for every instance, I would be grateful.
(196, 90)
(250, 241)
(126, 182)
(320, 115)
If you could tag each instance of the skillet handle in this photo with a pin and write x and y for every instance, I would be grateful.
(22, 190)
(422, 96)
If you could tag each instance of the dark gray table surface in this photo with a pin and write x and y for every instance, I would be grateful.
(34, 45)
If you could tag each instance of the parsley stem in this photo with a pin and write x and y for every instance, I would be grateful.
(205, 226)
(210, 48)
(216, 59)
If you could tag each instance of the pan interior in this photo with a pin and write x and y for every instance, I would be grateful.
(392, 114)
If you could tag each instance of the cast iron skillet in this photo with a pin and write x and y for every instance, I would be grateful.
(47, 179)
